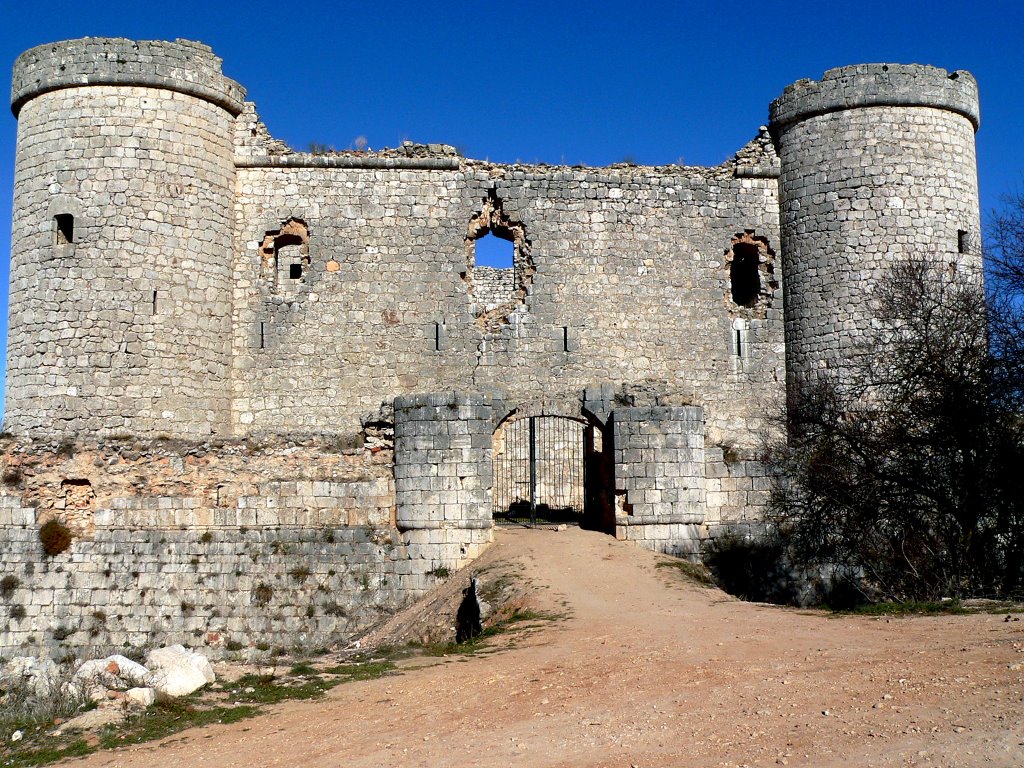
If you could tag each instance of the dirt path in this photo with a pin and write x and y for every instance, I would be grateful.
(649, 671)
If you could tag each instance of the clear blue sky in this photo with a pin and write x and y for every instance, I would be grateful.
(558, 81)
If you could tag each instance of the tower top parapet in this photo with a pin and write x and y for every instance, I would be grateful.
(184, 66)
(877, 85)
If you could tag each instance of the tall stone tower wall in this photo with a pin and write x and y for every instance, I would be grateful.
(121, 262)
(878, 165)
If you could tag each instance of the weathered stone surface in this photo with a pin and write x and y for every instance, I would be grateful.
(141, 697)
(40, 674)
(176, 671)
(112, 673)
(176, 272)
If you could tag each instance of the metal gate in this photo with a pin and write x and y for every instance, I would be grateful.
(539, 471)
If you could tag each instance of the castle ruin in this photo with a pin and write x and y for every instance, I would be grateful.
(273, 395)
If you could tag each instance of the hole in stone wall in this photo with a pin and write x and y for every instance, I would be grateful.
(743, 274)
(64, 228)
(499, 268)
(496, 252)
(285, 254)
(963, 241)
(78, 506)
(751, 275)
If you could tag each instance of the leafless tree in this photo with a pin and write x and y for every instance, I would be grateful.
(903, 475)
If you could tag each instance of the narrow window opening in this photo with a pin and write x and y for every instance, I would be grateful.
(156, 303)
(744, 275)
(493, 251)
(440, 336)
(263, 336)
(295, 271)
(739, 343)
(565, 338)
(963, 242)
(64, 228)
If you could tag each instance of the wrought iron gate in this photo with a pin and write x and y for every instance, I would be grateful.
(539, 468)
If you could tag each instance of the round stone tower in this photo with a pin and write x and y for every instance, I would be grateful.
(878, 165)
(121, 248)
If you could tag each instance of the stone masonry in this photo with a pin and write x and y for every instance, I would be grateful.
(181, 279)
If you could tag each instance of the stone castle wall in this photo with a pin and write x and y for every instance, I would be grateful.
(630, 285)
(220, 588)
(231, 546)
(178, 273)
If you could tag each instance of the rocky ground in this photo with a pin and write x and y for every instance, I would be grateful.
(648, 669)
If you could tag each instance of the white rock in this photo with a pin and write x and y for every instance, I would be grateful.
(114, 672)
(142, 697)
(176, 671)
(41, 674)
(16, 736)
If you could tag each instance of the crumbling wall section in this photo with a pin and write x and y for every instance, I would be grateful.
(230, 546)
(224, 587)
(629, 284)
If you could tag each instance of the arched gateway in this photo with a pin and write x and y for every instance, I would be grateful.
(553, 467)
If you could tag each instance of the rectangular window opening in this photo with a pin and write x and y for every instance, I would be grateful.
(295, 271)
(64, 228)
(263, 336)
(437, 337)
(156, 302)
(963, 241)
(739, 343)
(565, 338)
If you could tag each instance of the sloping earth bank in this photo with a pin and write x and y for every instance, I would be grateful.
(649, 670)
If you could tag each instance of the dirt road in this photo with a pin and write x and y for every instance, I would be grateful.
(651, 671)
